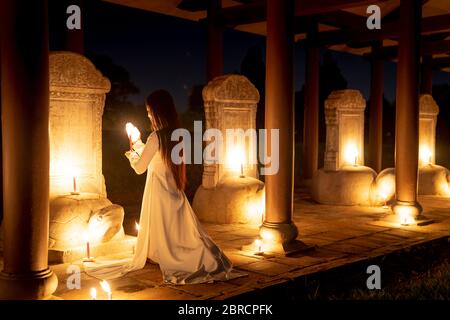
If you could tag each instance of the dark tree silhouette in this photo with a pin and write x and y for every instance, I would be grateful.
(118, 108)
(195, 102)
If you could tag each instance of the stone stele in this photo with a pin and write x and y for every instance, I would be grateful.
(230, 191)
(79, 208)
(433, 179)
(344, 180)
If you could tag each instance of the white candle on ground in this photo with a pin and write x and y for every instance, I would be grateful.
(94, 294)
(105, 286)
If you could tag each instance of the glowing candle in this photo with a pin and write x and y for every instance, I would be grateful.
(384, 197)
(75, 185)
(93, 294)
(88, 249)
(242, 170)
(129, 128)
(105, 286)
(138, 227)
(258, 244)
(73, 171)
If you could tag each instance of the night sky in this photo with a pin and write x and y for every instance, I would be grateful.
(165, 52)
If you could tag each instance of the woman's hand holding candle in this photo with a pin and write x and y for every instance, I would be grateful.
(133, 134)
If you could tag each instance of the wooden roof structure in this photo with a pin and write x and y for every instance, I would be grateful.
(341, 24)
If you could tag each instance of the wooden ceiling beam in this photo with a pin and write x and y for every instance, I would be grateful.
(440, 63)
(256, 12)
(388, 31)
(427, 49)
(306, 8)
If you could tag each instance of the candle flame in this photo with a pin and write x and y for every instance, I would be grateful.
(129, 128)
(258, 244)
(138, 227)
(405, 216)
(235, 159)
(105, 286)
(93, 293)
(351, 154)
(425, 155)
(86, 236)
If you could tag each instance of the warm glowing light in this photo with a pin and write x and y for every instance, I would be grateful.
(386, 188)
(75, 190)
(132, 133)
(129, 128)
(267, 236)
(235, 160)
(96, 229)
(255, 208)
(405, 216)
(351, 155)
(426, 156)
(444, 189)
(86, 238)
(93, 294)
(258, 244)
(73, 172)
(384, 197)
(138, 227)
(105, 286)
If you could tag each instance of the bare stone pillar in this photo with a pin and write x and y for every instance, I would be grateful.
(407, 114)
(278, 226)
(25, 125)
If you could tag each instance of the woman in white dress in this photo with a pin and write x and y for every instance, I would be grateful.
(170, 233)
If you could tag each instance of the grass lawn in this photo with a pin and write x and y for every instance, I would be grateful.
(433, 284)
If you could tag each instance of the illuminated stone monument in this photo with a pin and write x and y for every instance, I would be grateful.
(344, 180)
(230, 191)
(79, 208)
(433, 179)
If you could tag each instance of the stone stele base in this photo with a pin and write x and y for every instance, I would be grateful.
(350, 185)
(233, 200)
(68, 255)
(433, 180)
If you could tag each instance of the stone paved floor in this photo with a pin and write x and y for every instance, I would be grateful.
(341, 235)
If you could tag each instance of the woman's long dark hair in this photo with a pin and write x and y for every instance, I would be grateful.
(164, 120)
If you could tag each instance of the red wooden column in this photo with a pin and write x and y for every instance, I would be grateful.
(74, 39)
(426, 81)
(215, 40)
(25, 118)
(376, 111)
(311, 111)
(278, 226)
(407, 114)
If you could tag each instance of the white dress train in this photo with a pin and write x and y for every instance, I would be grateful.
(170, 233)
